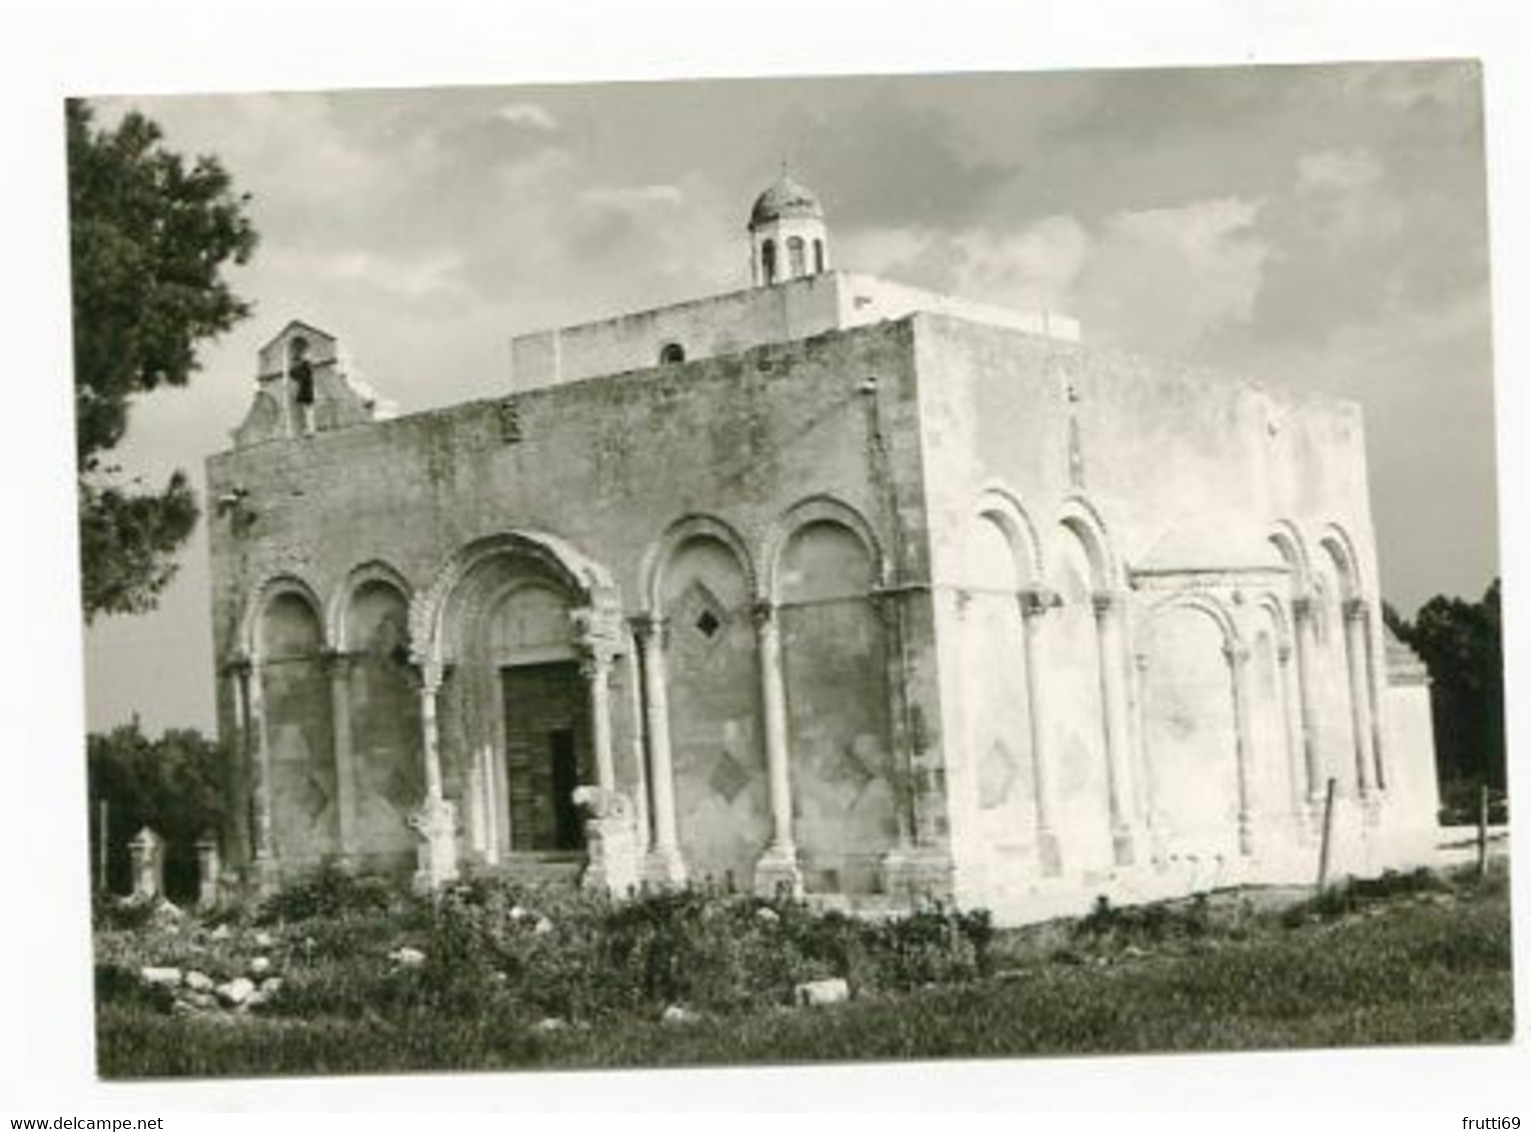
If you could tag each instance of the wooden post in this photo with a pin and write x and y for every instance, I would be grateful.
(1327, 834)
(101, 847)
(1482, 829)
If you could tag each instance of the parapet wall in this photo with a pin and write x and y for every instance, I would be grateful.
(741, 320)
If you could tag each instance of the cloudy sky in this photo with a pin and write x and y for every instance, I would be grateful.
(1318, 228)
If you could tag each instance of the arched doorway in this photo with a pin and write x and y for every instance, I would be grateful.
(523, 631)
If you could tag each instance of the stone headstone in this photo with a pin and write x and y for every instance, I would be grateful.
(209, 873)
(147, 850)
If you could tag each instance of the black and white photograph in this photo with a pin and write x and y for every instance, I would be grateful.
(746, 570)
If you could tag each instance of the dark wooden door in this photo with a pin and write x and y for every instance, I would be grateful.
(547, 754)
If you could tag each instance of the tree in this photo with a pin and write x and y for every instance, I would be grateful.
(170, 784)
(149, 238)
(1461, 647)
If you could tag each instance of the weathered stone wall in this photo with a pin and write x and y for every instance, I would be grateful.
(608, 467)
(718, 749)
(1050, 622)
(1146, 495)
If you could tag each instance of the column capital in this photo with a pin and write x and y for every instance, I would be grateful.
(1105, 601)
(885, 602)
(598, 632)
(429, 673)
(595, 665)
(1355, 609)
(338, 661)
(764, 613)
(1037, 601)
(1237, 655)
(1284, 652)
(1303, 606)
(1140, 661)
(649, 627)
(240, 664)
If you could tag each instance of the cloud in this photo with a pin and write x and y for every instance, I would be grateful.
(1164, 280)
(527, 114)
(1332, 170)
(633, 197)
(1036, 267)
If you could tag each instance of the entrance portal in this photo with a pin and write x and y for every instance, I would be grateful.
(547, 755)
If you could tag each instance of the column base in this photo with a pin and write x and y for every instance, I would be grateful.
(664, 867)
(1049, 854)
(920, 873)
(1246, 835)
(436, 823)
(264, 872)
(611, 842)
(778, 874)
(1124, 847)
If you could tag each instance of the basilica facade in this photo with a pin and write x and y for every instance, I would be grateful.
(828, 585)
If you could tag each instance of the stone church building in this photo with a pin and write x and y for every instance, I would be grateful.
(828, 584)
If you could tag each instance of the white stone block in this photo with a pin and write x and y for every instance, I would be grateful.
(822, 992)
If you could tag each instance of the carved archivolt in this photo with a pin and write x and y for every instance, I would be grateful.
(683, 530)
(273, 587)
(816, 509)
(1084, 520)
(336, 616)
(1004, 509)
(582, 576)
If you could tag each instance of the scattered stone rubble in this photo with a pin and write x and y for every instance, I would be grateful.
(194, 991)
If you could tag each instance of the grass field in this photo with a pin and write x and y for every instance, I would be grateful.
(1411, 964)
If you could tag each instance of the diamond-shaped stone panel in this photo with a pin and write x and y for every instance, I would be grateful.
(728, 778)
(699, 618)
(856, 767)
(308, 794)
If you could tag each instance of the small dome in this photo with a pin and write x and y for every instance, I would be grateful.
(785, 198)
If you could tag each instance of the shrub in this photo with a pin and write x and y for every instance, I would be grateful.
(329, 893)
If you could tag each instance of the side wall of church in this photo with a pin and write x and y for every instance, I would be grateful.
(772, 496)
(1158, 621)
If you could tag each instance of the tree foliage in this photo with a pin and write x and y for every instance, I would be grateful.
(1461, 646)
(150, 235)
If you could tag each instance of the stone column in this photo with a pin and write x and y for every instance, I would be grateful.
(1287, 682)
(1113, 688)
(1034, 606)
(599, 644)
(778, 865)
(1238, 672)
(665, 863)
(258, 752)
(1149, 801)
(1302, 632)
(1360, 694)
(436, 820)
(888, 604)
(1374, 684)
(339, 664)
